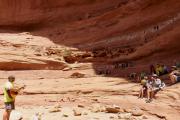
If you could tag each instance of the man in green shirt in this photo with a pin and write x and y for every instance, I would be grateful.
(8, 97)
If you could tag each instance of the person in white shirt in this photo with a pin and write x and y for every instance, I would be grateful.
(154, 86)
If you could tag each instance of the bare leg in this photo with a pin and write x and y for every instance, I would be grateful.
(141, 93)
(152, 94)
(6, 115)
(148, 94)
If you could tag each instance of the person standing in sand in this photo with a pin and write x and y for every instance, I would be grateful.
(10, 93)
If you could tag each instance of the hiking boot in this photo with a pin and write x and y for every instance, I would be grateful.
(148, 100)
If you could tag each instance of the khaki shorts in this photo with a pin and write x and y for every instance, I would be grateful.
(9, 106)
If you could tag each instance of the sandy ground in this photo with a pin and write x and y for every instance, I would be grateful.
(46, 89)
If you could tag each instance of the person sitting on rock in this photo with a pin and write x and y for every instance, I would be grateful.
(141, 76)
(149, 85)
(144, 87)
(157, 83)
(175, 75)
(165, 69)
(177, 64)
(152, 69)
(153, 86)
(159, 70)
(133, 76)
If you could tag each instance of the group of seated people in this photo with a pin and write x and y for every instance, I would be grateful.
(150, 86)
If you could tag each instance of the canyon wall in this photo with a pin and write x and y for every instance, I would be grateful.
(119, 30)
(35, 12)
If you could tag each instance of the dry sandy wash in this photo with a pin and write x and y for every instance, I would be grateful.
(90, 96)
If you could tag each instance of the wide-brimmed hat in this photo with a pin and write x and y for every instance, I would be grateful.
(174, 66)
(154, 75)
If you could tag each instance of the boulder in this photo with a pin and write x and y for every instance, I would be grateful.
(137, 112)
(77, 75)
(77, 112)
(125, 116)
(112, 110)
(97, 108)
(70, 59)
(144, 117)
(65, 115)
(81, 106)
(54, 109)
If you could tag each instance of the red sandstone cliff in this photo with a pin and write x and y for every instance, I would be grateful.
(137, 30)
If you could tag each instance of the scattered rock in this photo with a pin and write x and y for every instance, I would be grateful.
(51, 51)
(54, 109)
(65, 115)
(77, 75)
(57, 106)
(81, 106)
(137, 112)
(114, 117)
(50, 100)
(94, 99)
(70, 59)
(67, 69)
(77, 112)
(97, 108)
(37, 54)
(144, 117)
(86, 92)
(128, 110)
(112, 110)
(17, 45)
(118, 107)
(125, 116)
